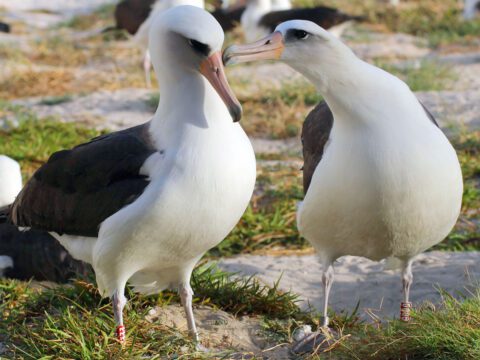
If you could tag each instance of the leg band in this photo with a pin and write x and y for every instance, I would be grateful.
(120, 332)
(405, 308)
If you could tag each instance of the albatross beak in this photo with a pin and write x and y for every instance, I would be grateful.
(212, 68)
(268, 48)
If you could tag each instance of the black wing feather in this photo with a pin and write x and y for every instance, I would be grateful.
(79, 188)
(323, 16)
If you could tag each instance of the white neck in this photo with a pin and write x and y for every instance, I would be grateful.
(348, 84)
(187, 103)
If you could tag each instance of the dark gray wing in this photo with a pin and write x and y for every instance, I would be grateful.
(79, 188)
(323, 16)
(130, 14)
(315, 134)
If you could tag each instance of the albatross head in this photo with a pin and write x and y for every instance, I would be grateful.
(188, 40)
(305, 46)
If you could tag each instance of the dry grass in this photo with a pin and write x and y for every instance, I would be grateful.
(27, 81)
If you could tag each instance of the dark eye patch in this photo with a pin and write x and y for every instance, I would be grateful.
(199, 47)
(297, 34)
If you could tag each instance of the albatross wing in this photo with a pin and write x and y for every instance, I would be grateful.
(79, 188)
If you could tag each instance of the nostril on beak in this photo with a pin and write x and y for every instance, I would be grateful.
(268, 42)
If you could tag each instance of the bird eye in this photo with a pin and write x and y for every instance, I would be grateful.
(300, 34)
(199, 47)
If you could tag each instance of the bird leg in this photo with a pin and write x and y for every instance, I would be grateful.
(313, 342)
(327, 281)
(407, 279)
(119, 302)
(186, 294)
(147, 65)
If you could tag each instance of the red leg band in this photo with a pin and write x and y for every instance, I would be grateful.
(405, 308)
(120, 332)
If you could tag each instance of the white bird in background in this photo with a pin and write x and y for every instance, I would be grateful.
(10, 180)
(10, 186)
(144, 204)
(381, 179)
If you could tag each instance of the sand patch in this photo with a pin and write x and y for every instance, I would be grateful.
(360, 280)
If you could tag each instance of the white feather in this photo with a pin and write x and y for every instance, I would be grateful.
(10, 180)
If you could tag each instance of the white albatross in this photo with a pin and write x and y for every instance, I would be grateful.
(381, 179)
(144, 204)
(10, 180)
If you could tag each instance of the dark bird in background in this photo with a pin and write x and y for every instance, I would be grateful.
(37, 255)
(130, 14)
(4, 27)
(260, 18)
(323, 16)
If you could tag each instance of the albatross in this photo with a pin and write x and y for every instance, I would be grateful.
(144, 204)
(381, 179)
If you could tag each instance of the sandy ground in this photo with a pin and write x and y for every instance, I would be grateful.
(221, 333)
(360, 280)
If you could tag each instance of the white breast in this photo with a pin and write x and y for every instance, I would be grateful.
(381, 191)
(198, 192)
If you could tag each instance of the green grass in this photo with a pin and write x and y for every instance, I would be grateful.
(440, 23)
(425, 75)
(269, 222)
(72, 321)
(34, 140)
(449, 332)
(102, 16)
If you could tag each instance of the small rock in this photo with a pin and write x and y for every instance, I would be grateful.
(301, 332)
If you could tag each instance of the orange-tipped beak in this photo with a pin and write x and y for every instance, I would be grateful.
(268, 48)
(212, 68)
